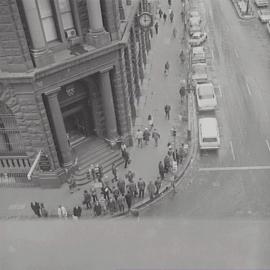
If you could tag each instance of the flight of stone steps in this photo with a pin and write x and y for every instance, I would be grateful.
(95, 151)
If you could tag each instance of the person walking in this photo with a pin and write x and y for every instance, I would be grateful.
(139, 137)
(171, 16)
(164, 17)
(181, 153)
(126, 159)
(43, 211)
(87, 199)
(167, 110)
(141, 187)
(93, 192)
(115, 193)
(151, 190)
(97, 209)
(167, 164)
(156, 27)
(158, 185)
(161, 170)
(160, 12)
(114, 172)
(123, 148)
(166, 69)
(37, 207)
(121, 203)
(121, 184)
(150, 122)
(103, 205)
(176, 156)
(146, 136)
(128, 198)
(182, 93)
(62, 212)
(155, 136)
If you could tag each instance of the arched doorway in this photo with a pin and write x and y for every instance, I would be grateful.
(10, 138)
(76, 106)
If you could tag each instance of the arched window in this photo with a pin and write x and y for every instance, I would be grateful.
(10, 138)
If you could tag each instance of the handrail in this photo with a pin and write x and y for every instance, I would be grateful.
(33, 166)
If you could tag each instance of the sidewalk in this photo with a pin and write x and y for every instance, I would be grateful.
(157, 91)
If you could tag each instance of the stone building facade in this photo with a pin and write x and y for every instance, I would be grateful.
(68, 69)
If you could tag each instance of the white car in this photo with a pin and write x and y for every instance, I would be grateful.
(197, 39)
(261, 3)
(194, 21)
(194, 13)
(206, 97)
(199, 73)
(264, 15)
(198, 55)
(194, 29)
(208, 133)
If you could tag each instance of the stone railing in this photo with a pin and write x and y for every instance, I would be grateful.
(14, 164)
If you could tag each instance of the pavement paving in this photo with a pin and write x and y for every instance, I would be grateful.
(157, 90)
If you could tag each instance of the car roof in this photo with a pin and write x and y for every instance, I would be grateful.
(208, 127)
(205, 89)
(199, 49)
(197, 33)
(194, 13)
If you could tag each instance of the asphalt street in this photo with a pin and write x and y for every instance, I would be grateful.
(233, 182)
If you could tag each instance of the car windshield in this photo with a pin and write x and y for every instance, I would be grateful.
(206, 96)
(209, 139)
(199, 69)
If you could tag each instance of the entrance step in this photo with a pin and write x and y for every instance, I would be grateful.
(95, 151)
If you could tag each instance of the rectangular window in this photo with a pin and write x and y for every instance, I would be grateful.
(47, 19)
(66, 14)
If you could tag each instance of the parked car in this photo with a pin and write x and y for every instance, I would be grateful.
(268, 27)
(208, 133)
(194, 29)
(194, 21)
(264, 15)
(206, 97)
(194, 13)
(198, 55)
(261, 3)
(199, 73)
(197, 38)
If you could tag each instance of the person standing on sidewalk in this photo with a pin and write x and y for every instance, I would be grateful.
(171, 16)
(139, 137)
(114, 172)
(166, 69)
(128, 198)
(121, 203)
(167, 110)
(151, 190)
(155, 136)
(156, 27)
(182, 93)
(94, 194)
(141, 187)
(181, 153)
(161, 170)
(123, 148)
(160, 12)
(126, 158)
(121, 184)
(158, 185)
(150, 122)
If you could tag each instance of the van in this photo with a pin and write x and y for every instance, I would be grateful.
(208, 133)
(198, 55)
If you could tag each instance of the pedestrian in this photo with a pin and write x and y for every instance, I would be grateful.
(100, 169)
(164, 17)
(106, 192)
(166, 69)
(170, 149)
(139, 137)
(167, 164)
(161, 170)
(155, 136)
(77, 211)
(94, 194)
(33, 207)
(160, 12)
(97, 171)
(171, 16)
(176, 156)
(62, 212)
(115, 192)
(141, 187)
(97, 209)
(112, 205)
(121, 184)
(173, 181)
(121, 203)
(174, 33)
(151, 190)
(158, 185)
(37, 207)
(182, 93)
(130, 176)
(87, 199)
(126, 159)
(128, 198)
(167, 110)
(169, 2)
(123, 148)
(103, 205)
(181, 153)
(43, 211)
(150, 121)
(114, 172)
(156, 27)
(131, 186)
(146, 136)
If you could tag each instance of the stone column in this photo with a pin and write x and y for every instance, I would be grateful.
(143, 47)
(121, 10)
(108, 104)
(97, 35)
(42, 56)
(59, 128)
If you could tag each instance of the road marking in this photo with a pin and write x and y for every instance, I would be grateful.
(233, 155)
(248, 88)
(243, 168)
(268, 145)
(236, 52)
(220, 92)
